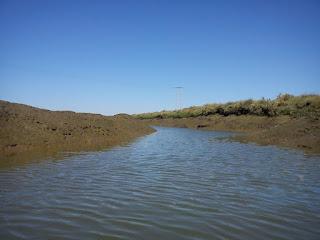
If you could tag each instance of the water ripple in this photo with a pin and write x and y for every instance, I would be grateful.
(173, 184)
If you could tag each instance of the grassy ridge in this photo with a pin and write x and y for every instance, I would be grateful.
(284, 104)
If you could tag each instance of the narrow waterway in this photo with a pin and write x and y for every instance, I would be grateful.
(173, 184)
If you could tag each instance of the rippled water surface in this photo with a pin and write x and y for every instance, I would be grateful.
(173, 184)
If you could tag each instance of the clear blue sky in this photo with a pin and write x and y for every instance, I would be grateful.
(126, 56)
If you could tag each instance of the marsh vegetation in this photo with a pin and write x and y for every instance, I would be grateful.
(284, 104)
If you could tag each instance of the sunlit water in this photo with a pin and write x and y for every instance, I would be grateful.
(173, 184)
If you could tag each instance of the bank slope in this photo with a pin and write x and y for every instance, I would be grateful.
(28, 129)
(288, 121)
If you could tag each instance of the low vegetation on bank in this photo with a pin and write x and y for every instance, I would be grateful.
(288, 121)
(284, 104)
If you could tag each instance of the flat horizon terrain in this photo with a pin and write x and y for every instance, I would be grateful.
(288, 121)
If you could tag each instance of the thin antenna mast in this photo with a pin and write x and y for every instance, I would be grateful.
(178, 97)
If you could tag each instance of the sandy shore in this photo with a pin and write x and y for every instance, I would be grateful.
(299, 133)
(25, 130)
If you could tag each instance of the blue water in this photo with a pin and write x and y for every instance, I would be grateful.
(173, 184)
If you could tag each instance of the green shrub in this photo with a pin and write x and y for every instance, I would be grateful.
(284, 104)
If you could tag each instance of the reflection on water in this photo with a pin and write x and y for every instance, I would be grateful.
(173, 184)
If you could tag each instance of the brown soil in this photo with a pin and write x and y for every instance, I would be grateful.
(301, 133)
(26, 130)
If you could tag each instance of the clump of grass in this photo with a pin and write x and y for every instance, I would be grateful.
(284, 104)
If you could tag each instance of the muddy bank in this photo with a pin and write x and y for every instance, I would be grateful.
(25, 130)
(300, 133)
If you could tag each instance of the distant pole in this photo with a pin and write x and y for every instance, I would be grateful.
(178, 97)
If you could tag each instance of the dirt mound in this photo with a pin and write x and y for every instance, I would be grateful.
(24, 128)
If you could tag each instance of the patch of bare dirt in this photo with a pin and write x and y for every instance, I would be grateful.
(25, 129)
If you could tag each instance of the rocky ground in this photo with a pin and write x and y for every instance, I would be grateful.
(25, 129)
